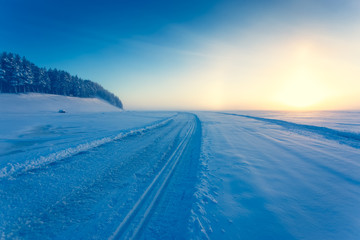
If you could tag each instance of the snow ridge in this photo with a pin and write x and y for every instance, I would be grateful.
(348, 138)
(199, 222)
(13, 169)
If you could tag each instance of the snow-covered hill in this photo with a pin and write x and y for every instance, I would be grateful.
(41, 103)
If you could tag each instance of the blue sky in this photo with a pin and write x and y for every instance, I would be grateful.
(196, 54)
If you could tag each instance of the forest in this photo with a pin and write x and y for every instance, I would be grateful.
(19, 75)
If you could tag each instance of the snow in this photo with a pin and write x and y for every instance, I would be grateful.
(81, 184)
(97, 172)
(262, 179)
(338, 120)
(32, 129)
(11, 169)
(38, 103)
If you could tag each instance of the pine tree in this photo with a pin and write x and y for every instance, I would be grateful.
(2, 78)
(12, 73)
(27, 75)
(44, 81)
(7, 68)
(54, 81)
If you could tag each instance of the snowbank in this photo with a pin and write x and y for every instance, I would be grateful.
(38, 103)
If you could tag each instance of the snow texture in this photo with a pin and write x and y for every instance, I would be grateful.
(265, 178)
(97, 173)
(48, 103)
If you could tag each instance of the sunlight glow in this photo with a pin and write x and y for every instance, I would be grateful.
(307, 71)
(303, 86)
(302, 90)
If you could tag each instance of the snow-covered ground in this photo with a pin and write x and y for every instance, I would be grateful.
(33, 132)
(339, 120)
(101, 173)
(48, 103)
(271, 179)
(79, 175)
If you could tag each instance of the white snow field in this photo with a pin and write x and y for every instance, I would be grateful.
(265, 178)
(48, 103)
(97, 175)
(112, 174)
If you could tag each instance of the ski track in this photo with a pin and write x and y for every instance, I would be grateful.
(133, 223)
(132, 174)
(174, 206)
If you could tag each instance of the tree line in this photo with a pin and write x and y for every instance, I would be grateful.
(18, 75)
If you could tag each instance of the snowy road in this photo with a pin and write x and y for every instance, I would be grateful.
(121, 188)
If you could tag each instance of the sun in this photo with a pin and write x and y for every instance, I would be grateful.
(304, 82)
(302, 90)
